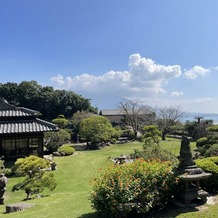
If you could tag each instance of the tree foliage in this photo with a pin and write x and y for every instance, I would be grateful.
(53, 140)
(49, 102)
(79, 116)
(36, 178)
(155, 152)
(200, 128)
(96, 129)
(167, 117)
(136, 115)
(61, 121)
(152, 135)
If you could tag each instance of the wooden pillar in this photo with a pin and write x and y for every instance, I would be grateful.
(40, 147)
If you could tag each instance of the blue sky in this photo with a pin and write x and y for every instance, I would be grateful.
(159, 52)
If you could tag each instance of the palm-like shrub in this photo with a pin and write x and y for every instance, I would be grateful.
(134, 188)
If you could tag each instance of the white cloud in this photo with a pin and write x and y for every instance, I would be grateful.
(196, 71)
(58, 80)
(144, 78)
(147, 69)
(176, 94)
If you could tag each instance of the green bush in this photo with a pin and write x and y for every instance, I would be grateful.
(212, 151)
(61, 121)
(113, 140)
(134, 188)
(116, 133)
(128, 133)
(213, 128)
(213, 139)
(203, 149)
(156, 152)
(53, 140)
(201, 142)
(67, 150)
(209, 165)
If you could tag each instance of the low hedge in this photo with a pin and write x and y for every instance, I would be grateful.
(132, 189)
(67, 150)
(209, 165)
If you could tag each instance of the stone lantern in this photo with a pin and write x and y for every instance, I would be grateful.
(190, 175)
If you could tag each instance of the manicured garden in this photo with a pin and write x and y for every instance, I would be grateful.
(71, 198)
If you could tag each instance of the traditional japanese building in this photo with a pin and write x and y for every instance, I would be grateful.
(21, 131)
(117, 116)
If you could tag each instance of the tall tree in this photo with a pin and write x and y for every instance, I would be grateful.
(96, 129)
(136, 115)
(10, 90)
(46, 100)
(167, 117)
(198, 129)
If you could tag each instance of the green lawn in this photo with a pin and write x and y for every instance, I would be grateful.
(173, 145)
(71, 197)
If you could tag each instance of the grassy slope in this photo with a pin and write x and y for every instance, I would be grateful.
(70, 199)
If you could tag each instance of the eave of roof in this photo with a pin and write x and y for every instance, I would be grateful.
(8, 110)
(108, 112)
(19, 112)
(26, 126)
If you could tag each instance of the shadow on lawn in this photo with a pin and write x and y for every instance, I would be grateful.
(170, 211)
(90, 215)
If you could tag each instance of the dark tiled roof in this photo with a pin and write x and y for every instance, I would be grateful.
(26, 126)
(110, 112)
(8, 110)
(18, 112)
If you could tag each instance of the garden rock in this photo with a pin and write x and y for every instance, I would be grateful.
(56, 153)
(11, 208)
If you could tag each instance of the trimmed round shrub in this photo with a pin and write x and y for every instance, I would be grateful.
(209, 165)
(201, 142)
(67, 150)
(132, 189)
